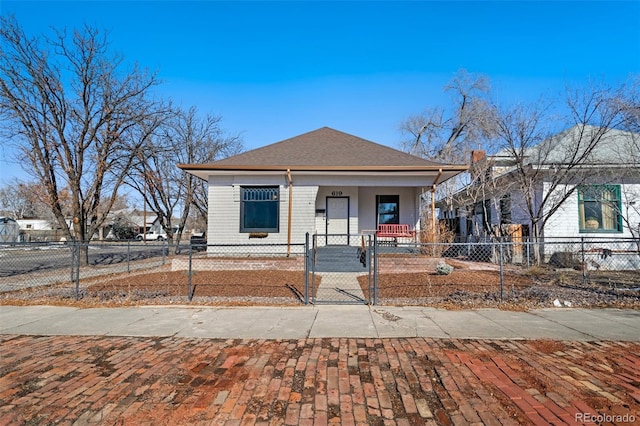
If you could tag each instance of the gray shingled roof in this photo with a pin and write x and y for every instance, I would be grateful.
(614, 147)
(322, 148)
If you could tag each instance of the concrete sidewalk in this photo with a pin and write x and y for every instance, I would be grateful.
(323, 321)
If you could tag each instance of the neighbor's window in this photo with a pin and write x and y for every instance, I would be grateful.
(388, 207)
(259, 209)
(482, 211)
(599, 208)
(505, 209)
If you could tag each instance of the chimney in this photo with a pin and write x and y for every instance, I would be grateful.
(477, 156)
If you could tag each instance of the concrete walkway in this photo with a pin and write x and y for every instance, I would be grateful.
(340, 287)
(323, 321)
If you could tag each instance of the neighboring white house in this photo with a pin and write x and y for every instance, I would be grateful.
(40, 230)
(604, 200)
(321, 182)
(9, 230)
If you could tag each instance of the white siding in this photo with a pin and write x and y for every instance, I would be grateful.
(224, 216)
(565, 222)
(367, 206)
(34, 224)
(631, 205)
(342, 191)
(309, 201)
(304, 199)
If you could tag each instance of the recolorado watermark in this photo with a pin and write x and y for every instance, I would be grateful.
(605, 418)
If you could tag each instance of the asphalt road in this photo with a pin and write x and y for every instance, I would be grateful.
(26, 258)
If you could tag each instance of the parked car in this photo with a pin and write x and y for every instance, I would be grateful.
(199, 242)
(152, 236)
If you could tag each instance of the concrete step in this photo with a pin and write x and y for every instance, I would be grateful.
(339, 259)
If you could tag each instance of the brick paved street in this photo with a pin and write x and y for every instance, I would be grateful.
(405, 381)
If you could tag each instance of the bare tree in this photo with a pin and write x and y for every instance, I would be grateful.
(21, 200)
(204, 141)
(561, 162)
(628, 154)
(16, 203)
(630, 105)
(484, 194)
(449, 135)
(70, 110)
(185, 138)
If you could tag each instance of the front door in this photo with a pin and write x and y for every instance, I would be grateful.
(338, 216)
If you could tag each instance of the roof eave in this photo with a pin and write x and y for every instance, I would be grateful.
(443, 172)
(266, 168)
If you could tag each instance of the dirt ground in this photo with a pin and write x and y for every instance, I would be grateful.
(465, 288)
(209, 284)
(468, 286)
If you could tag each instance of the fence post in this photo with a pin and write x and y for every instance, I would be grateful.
(314, 243)
(73, 261)
(78, 270)
(528, 252)
(306, 268)
(369, 260)
(375, 269)
(584, 262)
(501, 272)
(163, 248)
(189, 292)
(129, 256)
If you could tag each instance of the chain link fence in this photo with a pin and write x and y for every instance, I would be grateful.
(247, 273)
(342, 269)
(322, 269)
(461, 273)
(598, 263)
(156, 272)
(65, 266)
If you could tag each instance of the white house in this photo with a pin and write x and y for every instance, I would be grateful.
(601, 193)
(321, 182)
(9, 230)
(41, 230)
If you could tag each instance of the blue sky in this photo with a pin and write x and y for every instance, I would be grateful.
(273, 70)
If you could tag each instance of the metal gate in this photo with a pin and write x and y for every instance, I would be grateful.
(341, 269)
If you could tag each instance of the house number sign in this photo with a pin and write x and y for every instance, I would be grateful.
(336, 193)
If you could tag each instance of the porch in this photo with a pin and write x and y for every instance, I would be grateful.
(364, 210)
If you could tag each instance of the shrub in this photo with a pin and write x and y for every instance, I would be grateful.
(563, 260)
(443, 269)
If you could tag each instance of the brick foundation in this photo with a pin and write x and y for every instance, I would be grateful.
(387, 265)
(245, 264)
(397, 265)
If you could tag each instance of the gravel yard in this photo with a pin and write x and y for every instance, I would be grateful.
(468, 286)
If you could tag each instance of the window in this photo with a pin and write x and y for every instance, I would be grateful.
(388, 209)
(482, 208)
(505, 209)
(259, 209)
(599, 208)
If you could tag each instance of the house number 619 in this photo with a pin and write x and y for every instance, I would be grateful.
(336, 193)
